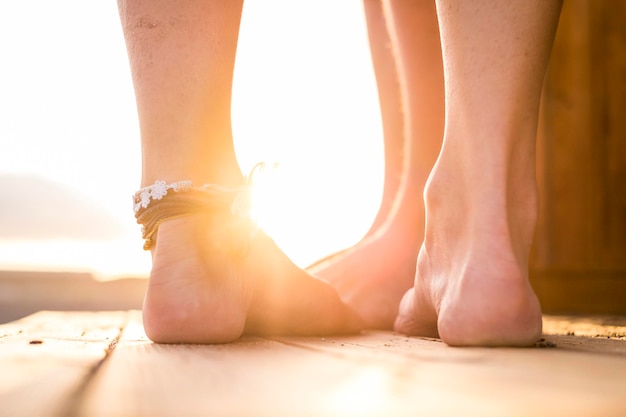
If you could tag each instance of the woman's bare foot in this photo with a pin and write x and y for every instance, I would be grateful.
(373, 275)
(200, 291)
(182, 57)
(406, 54)
(471, 284)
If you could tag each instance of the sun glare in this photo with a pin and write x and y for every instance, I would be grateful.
(365, 394)
(115, 258)
(265, 195)
(302, 97)
(306, 99)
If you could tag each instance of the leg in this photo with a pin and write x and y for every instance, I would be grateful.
(471, 285)
(390, 101)
(406, 53)
(182, 58)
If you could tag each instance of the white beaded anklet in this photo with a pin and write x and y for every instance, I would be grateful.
(156, 191)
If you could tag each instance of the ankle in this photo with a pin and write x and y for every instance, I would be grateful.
(486, 214)
(227, 175)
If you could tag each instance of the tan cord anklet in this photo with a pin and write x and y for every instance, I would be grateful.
(187, 203)
(161, 202)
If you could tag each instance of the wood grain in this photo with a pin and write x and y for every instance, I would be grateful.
(581, 234)
(45, 359)
(80, 368)
(372, 374)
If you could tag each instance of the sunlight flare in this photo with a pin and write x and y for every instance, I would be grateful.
(365, 394)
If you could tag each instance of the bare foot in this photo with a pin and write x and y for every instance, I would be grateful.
(373, 275)
(201, 292)
(471, 284)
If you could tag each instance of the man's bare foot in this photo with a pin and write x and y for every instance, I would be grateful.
(471, 284)
(200, 291)
(373, 275)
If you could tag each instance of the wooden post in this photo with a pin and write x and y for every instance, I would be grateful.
(579, 258)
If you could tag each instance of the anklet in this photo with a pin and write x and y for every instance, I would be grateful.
(157, 191)
(160, 202)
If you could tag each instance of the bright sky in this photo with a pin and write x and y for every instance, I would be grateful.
(304, 97)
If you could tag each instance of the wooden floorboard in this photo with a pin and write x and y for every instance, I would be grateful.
(46, 358)
(81, 369)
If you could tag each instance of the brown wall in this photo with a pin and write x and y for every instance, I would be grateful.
(579, 259)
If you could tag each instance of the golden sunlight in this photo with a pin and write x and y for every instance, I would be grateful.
(266, 197)
(306, 100)
(304, 96)
(366, 393)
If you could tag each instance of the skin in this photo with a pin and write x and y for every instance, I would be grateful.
(182, 58)
(470, 282)
(406, 52)
(471, 285)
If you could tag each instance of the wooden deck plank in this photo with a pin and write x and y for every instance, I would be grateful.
(45, 359)
(254, 376)
(600, 334)
(483, 381)
(373, 374)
